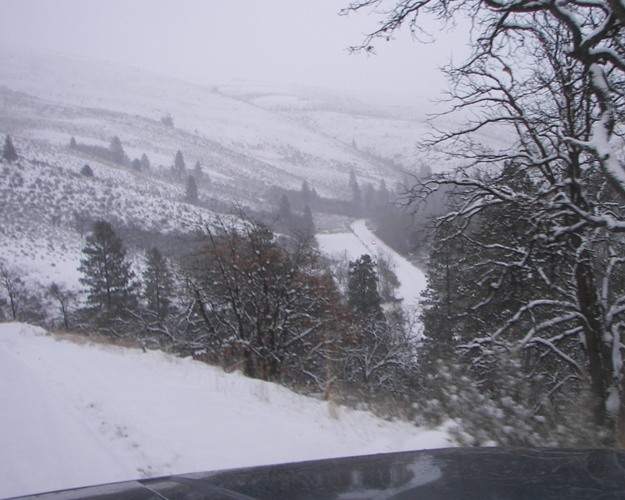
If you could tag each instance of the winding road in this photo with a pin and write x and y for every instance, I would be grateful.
(360, 240)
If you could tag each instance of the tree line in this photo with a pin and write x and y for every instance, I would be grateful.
(245, 300)
(115, 153)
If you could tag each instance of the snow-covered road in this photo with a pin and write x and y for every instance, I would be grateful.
(358, 241)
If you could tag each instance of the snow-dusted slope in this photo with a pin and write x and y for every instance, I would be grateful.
(47, 208)
(76, 414)
(246, 138)
(388, 131)
(227, 133)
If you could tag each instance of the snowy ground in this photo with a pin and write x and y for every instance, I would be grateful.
(73, 415)
(77, 414)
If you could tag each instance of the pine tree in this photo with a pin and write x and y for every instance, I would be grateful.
(158, 283)
(117, 151)
(384, 196)
(362, 287)
(309, 222)
(86, 170)
(191, 194)
(179, 165)
(355, 189)
(145, 162)
(387, 279)
(167, 120)
(8, 151)
(369, 198)
(284, 210)
(306, 193)
(197, 170)
(106, 272)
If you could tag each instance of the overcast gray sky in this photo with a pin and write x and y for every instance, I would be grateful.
(213, 41)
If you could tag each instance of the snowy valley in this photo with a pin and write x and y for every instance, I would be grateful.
(242, 233)
(239, 141)
(248, 148)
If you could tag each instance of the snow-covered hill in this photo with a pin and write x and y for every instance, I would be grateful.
(231, 133)
(246, 138)
(47, 208)
(74, 414)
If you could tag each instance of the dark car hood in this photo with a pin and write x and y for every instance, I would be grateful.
(475, 473)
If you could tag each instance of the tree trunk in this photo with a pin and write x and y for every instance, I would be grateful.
(620, 426)
(599, 356)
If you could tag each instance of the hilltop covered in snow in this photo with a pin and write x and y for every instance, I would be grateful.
(241, 134)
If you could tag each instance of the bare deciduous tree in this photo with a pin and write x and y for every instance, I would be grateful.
(548, 76)
(261, 306)
(13, 287)
(64, 297)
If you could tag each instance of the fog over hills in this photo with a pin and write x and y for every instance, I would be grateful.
(244, 132)
(247, 138)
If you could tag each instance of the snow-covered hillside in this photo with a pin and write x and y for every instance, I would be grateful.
(48, 206)
(389, 131)
(230, 134)
(77, 413)
(246, 139)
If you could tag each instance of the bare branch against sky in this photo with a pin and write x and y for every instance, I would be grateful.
(213, 41)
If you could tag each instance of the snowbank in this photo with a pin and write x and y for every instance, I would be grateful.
(77, 414)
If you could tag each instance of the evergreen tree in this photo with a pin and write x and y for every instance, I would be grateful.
(86, 170)
(117, 151)
(136, 164)
(145, 162)
(362, 287)
(284, 210)
(179, 165)
(355, 189)
(306, 193)
(106, 272)
(72, 143)
(442, 301)
(384, 196)
(388, 282)
(309, 222)
(167, 120)
(197, 170)
(8, 151)
(369, 198)
(158, 283)
(191, 194)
